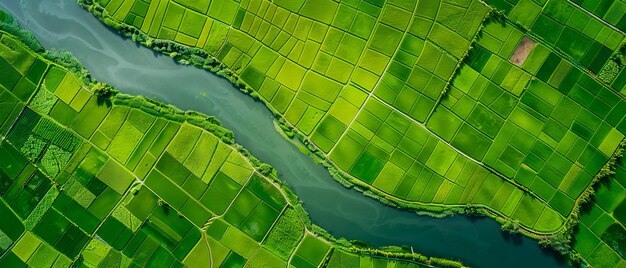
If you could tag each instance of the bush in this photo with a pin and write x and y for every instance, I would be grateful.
(103, 91)
(57, 135)
(510, 226)
(67, 60)
(560, 242)
(265, 169)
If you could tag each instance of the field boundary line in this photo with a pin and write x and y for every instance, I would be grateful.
(371, 93)
(461, 63)
(595, 17)
(14, 122)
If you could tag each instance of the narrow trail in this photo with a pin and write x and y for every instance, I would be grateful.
(209, 248)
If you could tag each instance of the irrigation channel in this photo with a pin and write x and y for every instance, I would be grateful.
(478, 242)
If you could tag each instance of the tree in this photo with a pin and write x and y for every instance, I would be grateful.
(561, 242)
(510, 226)
(103, 92)
(265, 169)
(472, 210)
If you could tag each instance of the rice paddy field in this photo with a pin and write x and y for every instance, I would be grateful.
(600, 237)
(86, 182)
(514, 106)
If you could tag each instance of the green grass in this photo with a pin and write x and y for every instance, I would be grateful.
(367, 167)
(223, 11)
(265, 258)
(236, 168)
(12, 75)
(259, 221)
(386, 39)
(166, 189)
(320, 10)
(15, 54)
(26, 246)
(192, 24)
(239, 242)
(389, 177)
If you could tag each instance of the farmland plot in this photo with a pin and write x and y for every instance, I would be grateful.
(431, 103)
(133, 183)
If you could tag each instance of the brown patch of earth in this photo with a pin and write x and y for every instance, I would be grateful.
(523, 49)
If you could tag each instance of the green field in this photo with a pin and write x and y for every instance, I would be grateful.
(601, 233)
(134, 183)
(430, 103)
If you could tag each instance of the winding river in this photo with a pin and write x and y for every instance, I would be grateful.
(62, 24)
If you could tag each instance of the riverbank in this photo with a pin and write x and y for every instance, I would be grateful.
(370, 223)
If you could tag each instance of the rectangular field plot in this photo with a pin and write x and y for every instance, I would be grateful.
(116, 176)
(317, 101)
(539, 134)
(311, 252)
(385, 90)
(253, 216)
(599, 233)
(402, 158)
(566, 27)
(24, 193)
(95, 184)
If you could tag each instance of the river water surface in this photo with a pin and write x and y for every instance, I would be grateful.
(478, 242)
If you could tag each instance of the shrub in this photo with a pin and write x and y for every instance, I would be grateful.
(67, 60)
(510, 226)
(33, 147)
(103, 91)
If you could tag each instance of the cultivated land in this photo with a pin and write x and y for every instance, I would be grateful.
(435, 105)
(118, 181)
(601, 237)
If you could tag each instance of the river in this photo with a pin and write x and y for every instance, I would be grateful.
(62, 24)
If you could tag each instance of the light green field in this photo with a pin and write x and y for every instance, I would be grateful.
(427, 104)
(136, 188)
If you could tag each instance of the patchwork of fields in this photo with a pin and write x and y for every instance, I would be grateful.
(429, 103)
(363, 81)
(88, 183)
(601, 237)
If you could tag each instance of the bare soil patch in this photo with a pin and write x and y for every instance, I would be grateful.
(523, 49)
